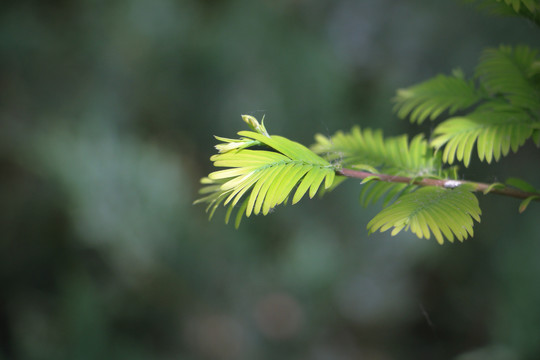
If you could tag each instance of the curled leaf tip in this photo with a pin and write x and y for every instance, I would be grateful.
(493, 186)
(370, 178)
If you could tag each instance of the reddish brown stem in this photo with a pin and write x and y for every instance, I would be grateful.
(506, 191)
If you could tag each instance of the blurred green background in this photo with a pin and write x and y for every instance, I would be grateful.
(107, 111)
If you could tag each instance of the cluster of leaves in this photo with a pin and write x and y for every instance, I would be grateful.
(263, 171)
(500, 105)
(368, 150)
(497, 110)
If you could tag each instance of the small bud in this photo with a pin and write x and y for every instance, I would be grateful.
(254, 124)
(251, 121)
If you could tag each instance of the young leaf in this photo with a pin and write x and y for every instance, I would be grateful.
(369, 150)
(506, 71)
(496, 185)
(372, 192)
(434, 96)
(521, 185)
(262, 179)
(525, 203)
(495, 128)
(444, 212)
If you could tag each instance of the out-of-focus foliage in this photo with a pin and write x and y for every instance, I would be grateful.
(526, 8)
(105, 111)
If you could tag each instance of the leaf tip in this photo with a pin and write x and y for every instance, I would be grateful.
(525, 203)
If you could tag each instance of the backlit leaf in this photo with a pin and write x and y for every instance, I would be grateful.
(445, 213)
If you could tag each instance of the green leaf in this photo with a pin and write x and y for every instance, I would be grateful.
(431, 210)
(506, 71)
(369, 150)
(521, 185)
(525, 203)
(239, 214)
(358, 147)
(495, 128)
(372, 192)
(496, 185)
(431, 98)
(530, 5)
(370, 178)
(365, 167)
(536, 137)
(261, 179)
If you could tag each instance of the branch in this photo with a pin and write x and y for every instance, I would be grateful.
(449, 184)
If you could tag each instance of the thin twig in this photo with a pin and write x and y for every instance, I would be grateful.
(449, 184)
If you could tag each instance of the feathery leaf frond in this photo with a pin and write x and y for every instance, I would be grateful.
(495, 128)
(368, 150)
(388, 191)
(447, 213)
(506, 105)
(508, 72)
(259, 180)
(431, 98)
